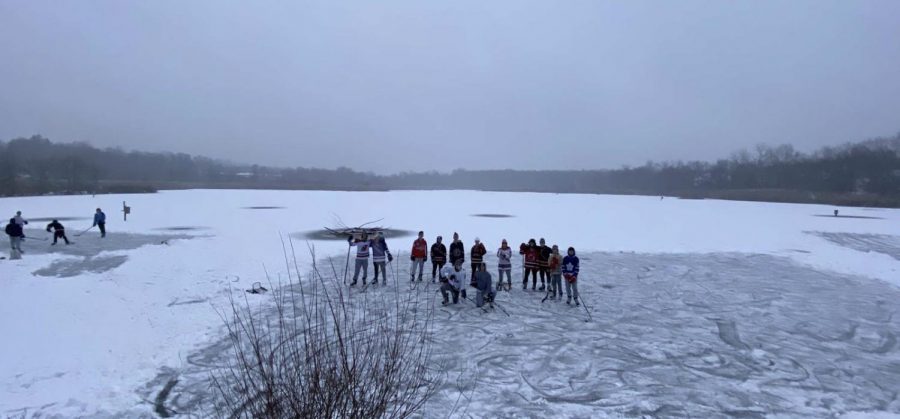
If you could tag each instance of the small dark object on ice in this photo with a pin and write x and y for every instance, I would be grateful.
(835, 213)
(257, 288)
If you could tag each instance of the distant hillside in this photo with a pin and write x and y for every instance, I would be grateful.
(863, 173)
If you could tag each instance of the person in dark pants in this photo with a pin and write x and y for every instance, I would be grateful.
(100, 222)
(59, 232)
(457, 251)
(483, 282)
(438, 257)
(477, 253)
(544, 253)
(530, 253)
(380, 253)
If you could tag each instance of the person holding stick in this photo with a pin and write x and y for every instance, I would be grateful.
(570, 269)
(100, 222)
(59, 232)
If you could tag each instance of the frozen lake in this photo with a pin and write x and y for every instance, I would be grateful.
(700, 308)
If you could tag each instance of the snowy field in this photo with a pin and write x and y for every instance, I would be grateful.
(699, 308)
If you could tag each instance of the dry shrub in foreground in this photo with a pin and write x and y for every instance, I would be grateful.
(321, 351)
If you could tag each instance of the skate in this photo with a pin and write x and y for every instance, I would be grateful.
(577, 303)
(569, 301)
(353, 284)
(375, 282)
(445, 302)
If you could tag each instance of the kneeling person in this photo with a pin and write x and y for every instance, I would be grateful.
(452, 281)
(484, 283)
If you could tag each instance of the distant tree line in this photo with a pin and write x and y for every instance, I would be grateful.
(863, 173)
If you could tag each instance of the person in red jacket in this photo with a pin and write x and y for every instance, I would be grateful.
(418, 256)
(530, 252)
(478, 252)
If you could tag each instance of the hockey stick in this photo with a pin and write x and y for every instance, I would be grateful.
(347, 265)
(547, 295)
(586, 310)
(83, 231)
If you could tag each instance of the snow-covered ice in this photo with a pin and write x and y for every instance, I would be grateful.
(700, 307)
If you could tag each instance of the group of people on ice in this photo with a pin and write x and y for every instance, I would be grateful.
(448, 267)
(15, 229)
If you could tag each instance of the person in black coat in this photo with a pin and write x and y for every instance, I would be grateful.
(457, 251)
(59, 232)
(438, 257)
(16, 234)
(544, 253)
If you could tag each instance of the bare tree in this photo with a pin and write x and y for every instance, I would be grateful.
(326, 353)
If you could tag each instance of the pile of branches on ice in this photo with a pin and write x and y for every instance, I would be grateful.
(342, 230)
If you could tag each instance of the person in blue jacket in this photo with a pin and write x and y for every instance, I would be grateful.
(100, 222)
(570, 272)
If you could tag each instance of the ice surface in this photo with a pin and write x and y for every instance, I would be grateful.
(700, 307)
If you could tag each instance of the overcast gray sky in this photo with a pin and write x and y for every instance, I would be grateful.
(390, 86)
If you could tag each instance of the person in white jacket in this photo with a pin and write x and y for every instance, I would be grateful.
(20, 220)
(452, 279)
(504, 265)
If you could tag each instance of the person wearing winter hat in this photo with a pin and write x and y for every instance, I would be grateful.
(530, 255)
(544, 252)
(485, 293)
(570, 269)
(554, 267)
(438, 257)
(457, 251)
(59, 232)
(478, 252)
(504, 265)
(380, 251)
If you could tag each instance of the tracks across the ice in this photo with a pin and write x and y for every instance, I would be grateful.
(673, 335)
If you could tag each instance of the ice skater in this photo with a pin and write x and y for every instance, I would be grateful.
(380, 252)
(451, 283)
(362, 246)
(418, 256)
(457, 251)
(484, 284)
(554, 268)
(570, 272)
(530, 253)
(16, 234)
(59, 232)
(100, 222)
(438, 257)
(504, 265)
(21, 221)
(477, 253)
(544, 252)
